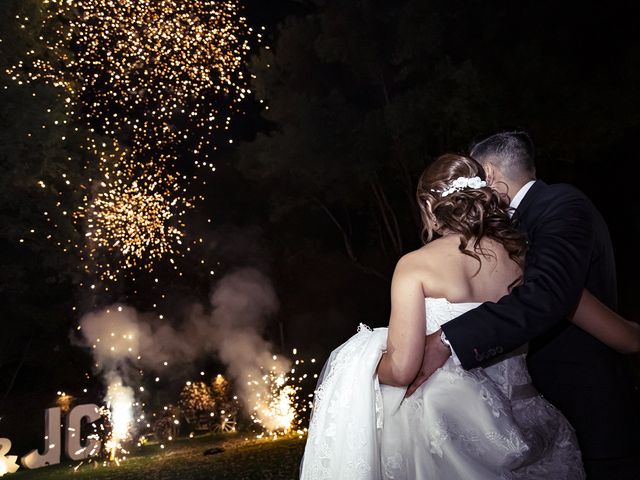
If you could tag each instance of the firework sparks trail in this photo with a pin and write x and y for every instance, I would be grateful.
(154, 78)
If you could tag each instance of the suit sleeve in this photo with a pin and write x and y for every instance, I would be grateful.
(560, 247)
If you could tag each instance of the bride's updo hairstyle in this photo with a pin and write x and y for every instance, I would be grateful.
(472, 213)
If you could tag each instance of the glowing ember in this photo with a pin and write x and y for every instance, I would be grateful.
(64, 401)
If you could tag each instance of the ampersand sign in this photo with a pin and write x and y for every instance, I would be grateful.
(7, 462)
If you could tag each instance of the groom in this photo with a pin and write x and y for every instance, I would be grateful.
(569, 250)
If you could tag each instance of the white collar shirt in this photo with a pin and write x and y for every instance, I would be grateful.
(517, 199)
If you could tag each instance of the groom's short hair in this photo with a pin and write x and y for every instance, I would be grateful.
(510, 151)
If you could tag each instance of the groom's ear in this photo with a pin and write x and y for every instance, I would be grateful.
(490, 171)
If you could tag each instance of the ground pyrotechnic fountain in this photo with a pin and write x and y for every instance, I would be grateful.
(277, 393)
(133, 350)
(120, 403)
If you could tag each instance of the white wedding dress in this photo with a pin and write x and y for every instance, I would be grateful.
(486, 423)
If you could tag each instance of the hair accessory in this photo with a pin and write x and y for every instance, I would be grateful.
(461, 183)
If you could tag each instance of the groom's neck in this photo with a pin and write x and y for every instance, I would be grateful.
(513, 186)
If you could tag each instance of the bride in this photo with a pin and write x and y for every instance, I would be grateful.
(486, 423)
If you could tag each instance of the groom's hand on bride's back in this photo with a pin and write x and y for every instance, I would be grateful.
(436, 354)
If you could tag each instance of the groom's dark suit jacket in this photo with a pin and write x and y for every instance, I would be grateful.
(569, 250)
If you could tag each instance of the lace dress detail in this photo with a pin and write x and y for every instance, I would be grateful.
(347, 415)
(486, 423)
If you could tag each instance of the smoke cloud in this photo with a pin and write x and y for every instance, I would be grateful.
(123, 341)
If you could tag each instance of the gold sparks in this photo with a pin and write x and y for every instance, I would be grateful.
(165, 72)
(278, 406)
(136, 214)
(159, 82)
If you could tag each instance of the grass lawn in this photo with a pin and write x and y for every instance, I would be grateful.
(183, 459)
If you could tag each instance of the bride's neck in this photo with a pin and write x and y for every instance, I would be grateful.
(445, 233)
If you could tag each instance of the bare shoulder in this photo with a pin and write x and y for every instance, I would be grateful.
(437, 266)
(423, 262)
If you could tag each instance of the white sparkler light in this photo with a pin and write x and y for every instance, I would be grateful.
(120, 403)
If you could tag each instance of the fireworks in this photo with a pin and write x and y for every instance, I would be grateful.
(278, 405)
(160, 81)
(227, 405)
(196, 397)
(162, 71)
(274, 402)
(276, 412)
(120, 414)
(138, 216)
